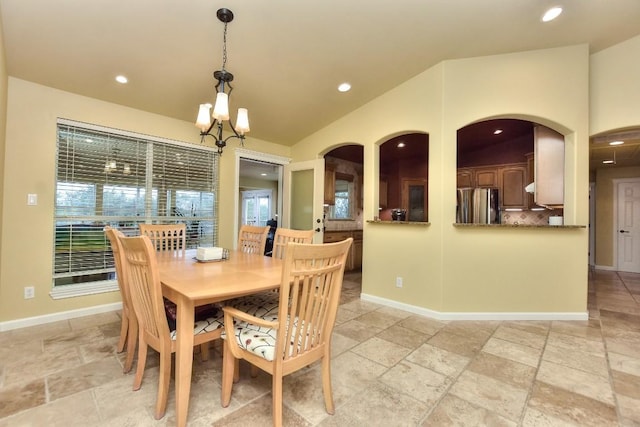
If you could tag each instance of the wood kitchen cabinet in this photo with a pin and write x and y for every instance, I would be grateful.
(509, 179)
(329, 185)
(382, 197)
(464, 178)
(486, 177)
(354, 259)
(513, 179)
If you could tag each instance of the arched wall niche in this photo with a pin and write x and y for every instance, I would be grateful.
(403, 177)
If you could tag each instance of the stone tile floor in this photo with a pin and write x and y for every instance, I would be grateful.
(390, 368)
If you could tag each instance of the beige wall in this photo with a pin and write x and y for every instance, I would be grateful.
(615, 91)
(29, 168)
(615, 87)
(604, 218)
(4, 83)
(450, 269)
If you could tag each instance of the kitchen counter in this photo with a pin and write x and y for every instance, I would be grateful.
(461, 225)
(377, 221)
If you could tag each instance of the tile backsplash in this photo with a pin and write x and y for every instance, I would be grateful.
(529, 217)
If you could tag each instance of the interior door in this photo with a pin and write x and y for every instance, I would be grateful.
(628, 231)
(303, 192)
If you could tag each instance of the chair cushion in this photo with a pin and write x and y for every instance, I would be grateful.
(260, 341)
(208, 318)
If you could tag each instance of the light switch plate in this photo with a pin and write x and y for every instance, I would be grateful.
(32, 199)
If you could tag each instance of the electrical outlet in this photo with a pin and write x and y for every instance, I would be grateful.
(398, 282)
(29, 292)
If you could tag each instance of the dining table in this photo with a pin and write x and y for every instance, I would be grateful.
(189, 283)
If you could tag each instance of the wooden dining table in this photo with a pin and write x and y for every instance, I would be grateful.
(190, 283)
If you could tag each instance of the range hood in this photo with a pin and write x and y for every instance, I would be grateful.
(531, 188)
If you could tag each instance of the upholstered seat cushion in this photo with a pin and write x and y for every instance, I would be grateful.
(208, 324)
(260, 341)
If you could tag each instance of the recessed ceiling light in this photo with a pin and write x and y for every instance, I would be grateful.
(497, 131)
(401, 144)
(616, 143)
(263, 174)
(344, 87)
(121, 79)
(607, 162)
(551, 14)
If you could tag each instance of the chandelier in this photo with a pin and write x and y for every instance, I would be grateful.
(221, 107)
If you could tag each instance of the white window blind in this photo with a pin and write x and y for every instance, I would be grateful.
(116, 178)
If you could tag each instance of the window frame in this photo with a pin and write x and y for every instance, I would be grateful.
(184, 179)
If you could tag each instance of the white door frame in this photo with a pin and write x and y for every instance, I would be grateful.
(616, 234)
(317, 166)
(592, 224)
(262, 157)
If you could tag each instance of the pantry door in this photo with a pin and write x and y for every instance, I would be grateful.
(303, 188)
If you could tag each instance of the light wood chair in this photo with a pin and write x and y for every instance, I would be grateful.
(286, 235)
(252, 239)
(129, 325)
(166, 237)
(140, 266)
(299, 332)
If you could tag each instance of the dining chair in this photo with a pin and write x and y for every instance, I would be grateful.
(141, 267)
(166, 237)
(299, 332)
(252, 239)
(286, 235)
(171, 238)
(129, 323)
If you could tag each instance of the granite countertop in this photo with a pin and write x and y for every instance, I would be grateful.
(462, 225)
(377, 221)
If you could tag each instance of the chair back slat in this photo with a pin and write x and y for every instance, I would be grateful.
(309, 296)
(252, 239)
(166, 237)
(286, 235)
(113, 236)
(144, 282)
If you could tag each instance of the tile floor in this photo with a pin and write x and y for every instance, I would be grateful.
(390, 368)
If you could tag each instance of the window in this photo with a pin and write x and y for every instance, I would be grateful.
(256, 207)
(109, 177)
(343, 196)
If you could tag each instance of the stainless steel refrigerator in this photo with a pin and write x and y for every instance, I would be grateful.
(478, 206)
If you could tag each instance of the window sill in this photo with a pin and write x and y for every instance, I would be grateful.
(83, 289)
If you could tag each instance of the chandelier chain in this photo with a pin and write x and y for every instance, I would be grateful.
(224, 48)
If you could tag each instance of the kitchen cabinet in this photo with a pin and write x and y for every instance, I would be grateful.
(486, 177)
(382, 197)
(509, 179)
(549, 167)
(464, 178)
(513, 179)
(354, 258)
(329, 185)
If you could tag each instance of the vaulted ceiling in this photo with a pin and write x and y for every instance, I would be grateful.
(288, 56)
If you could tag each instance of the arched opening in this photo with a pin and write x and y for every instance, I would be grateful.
(509, 171)
(404, 178)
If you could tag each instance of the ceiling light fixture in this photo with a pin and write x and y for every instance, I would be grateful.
(551, 14)
(122, 79)
(401, 145)
(344, 87)
(221, 108)
(616, 143)
(497, 131)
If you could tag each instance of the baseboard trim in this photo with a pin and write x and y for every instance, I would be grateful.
(439, 315)
(605, 267)
(55, 317)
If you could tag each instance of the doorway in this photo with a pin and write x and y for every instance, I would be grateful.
(627, 230)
